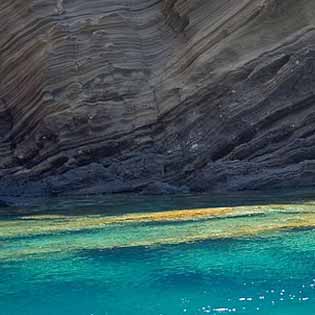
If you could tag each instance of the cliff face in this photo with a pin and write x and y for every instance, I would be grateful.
(146, 95)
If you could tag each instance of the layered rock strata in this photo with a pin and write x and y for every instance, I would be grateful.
(176, 21)
(156, 96)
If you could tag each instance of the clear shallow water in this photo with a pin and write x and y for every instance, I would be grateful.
(254, 259)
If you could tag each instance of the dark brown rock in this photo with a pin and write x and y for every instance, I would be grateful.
(102, 96)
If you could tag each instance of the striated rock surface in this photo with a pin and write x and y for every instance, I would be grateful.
(156, 96)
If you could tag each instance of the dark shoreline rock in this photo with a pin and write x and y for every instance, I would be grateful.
(3, 204)
(105, 98)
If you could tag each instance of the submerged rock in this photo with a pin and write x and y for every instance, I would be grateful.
(3, 204)
(156, 188)
(107, 97)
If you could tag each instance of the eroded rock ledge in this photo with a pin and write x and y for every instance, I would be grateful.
(156, 96)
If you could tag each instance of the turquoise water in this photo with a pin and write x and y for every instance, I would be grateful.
(251, 259)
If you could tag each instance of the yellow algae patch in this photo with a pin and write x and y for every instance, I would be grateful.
(42, 224)
(172, 215)
(190, 235)
(51, 224)
(44, 217)
(178, 215)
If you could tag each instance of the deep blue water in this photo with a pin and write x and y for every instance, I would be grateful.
(248, 260)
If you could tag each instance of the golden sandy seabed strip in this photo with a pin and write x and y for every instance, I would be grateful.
(49, 224)
(306, 221)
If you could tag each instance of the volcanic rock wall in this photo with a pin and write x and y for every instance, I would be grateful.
(156, 96)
